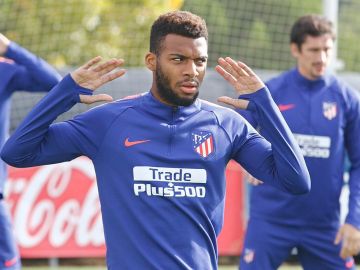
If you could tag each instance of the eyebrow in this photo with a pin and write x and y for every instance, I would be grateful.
(183, 56)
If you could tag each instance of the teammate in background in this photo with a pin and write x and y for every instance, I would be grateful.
(160, 157)
(324, 115)
(19, 70)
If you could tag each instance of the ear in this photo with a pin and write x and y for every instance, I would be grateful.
(150, 61)
(295, 51)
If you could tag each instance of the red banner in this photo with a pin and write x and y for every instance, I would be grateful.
(56, 211)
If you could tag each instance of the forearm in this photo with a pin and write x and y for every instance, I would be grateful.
(353, 216)
(25, 146)
(289, 169)
(40, 73)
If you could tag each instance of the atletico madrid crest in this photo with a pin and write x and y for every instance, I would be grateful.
(329, 110)
(203, 143)
(249, 255)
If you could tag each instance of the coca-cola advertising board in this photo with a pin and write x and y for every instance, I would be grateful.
(56, 211)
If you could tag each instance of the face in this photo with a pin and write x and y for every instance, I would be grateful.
(314, 55)
(179, 69)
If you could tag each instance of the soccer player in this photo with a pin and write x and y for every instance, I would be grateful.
(19, 70)
(324, 115)
(160, 157)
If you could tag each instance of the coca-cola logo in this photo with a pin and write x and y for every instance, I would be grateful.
(56, 209)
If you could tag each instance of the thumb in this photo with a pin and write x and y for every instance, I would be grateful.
(338, 237)
(95, 98)
(237, 103)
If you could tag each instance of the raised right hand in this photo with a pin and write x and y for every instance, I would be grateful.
(92, 76)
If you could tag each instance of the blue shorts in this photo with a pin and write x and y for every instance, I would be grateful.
(9, 255)
(267, 245)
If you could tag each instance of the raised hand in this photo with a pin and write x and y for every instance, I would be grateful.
(241, 77)
(92, 76)
(4, 44)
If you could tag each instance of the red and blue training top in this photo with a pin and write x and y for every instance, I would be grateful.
(324, 116)
(160, 169)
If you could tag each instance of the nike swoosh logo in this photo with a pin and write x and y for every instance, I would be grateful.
(128, 143)
(11, 262)
(285, 107)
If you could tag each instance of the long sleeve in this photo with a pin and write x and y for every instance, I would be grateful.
(352, 141)
(37, 142)
(278, 159)
(33, 73)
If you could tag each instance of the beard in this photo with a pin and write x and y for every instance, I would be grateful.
(168, 94)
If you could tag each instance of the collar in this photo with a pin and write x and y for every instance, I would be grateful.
(310, 84)
(168, 113)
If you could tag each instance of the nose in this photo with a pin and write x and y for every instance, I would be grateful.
(191, 69)
(324, 56)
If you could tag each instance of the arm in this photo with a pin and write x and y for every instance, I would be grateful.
(349, 233)
(277, 160)
(37, 142)
(33, 73)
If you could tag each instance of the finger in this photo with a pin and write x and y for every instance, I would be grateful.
(258, 182)
(237, 103)
(338, 237)
(343, 253)
(226, 66)
(246, 69)
(108, 66)
(92, 62)
(254, 181)
(236, 67)
(86, 99)
(97, 82)
(112, 76)
(226, 75)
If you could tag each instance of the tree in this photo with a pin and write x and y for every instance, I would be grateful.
(69, 32)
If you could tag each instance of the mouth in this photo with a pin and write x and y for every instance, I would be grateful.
(189, 87)
(319, 66)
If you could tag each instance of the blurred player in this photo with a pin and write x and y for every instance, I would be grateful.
(160, 157)
(19, 70)
(324, 115)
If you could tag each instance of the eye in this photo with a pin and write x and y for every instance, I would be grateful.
(201, 61)
(177, 59)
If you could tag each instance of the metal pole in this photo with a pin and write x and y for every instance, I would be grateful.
(54, 263)
(331, 11)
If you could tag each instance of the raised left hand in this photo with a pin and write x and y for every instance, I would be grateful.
(350, 237)
(241, 77)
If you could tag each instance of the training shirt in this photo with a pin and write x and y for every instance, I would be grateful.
(324, 116)
(20, 70)
(160, 169)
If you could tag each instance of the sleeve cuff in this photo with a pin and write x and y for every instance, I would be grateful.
(79, 90)
(261, 94)
(352, 221)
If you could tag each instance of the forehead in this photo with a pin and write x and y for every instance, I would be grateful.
(320, 41)
(176, 44)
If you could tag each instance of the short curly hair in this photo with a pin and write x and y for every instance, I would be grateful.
(310, 25)
(181, 23)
